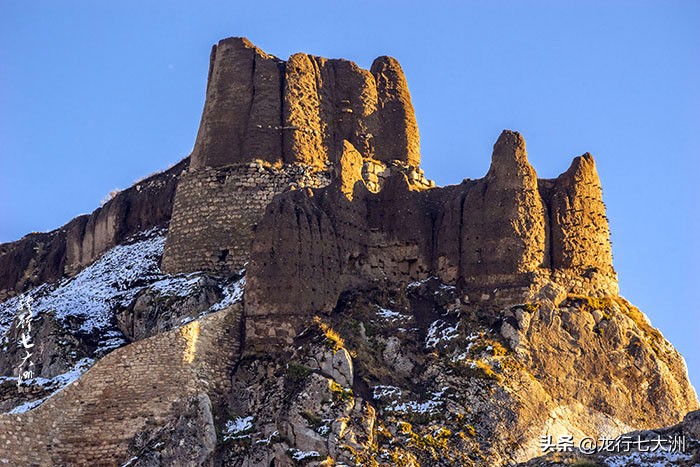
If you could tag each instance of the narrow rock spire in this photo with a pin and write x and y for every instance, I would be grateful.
(397, 138)
(504, 225)
(581, 234)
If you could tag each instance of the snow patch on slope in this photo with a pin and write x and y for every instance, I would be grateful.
(86, 301)
(57, 383)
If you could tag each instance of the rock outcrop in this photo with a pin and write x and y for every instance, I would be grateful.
(677, 445)
(259, 107)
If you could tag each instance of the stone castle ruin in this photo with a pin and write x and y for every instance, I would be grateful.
(305, 177)
(307, 172)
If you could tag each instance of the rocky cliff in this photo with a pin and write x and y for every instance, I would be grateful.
(296, 292)
(47, 257)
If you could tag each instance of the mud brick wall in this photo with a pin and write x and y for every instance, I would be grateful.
(92, 421)
(216, 210)
(506, 231)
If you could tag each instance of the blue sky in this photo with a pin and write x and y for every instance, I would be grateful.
(97, 94)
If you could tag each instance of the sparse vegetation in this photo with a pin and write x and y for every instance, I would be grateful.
(482, 370)
(333, 339)
(493, 347)
(297, 373)
(594, 303)
(340, 394)
(434, 442)
(632, 312)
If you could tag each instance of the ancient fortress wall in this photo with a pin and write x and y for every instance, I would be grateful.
(132, 389)
(309, 170)
(216, 209)
(270, 125)
(500, 237)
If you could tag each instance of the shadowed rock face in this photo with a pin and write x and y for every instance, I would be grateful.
(260, 107)
(493, 233)
(243, 109)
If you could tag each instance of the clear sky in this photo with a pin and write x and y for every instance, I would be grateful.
(97, 94)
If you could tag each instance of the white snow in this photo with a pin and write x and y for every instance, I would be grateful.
(648, 459)
(233, 293)
(299, 455)
(429, 406)
(238, 428)
(85, 303)
(471, 339)
(27, 406)
(415, 284)
(390, 315)
(268, 440)
(385, 392)
(391, 395)
(440, 331)
(88, 298)
(58, 383)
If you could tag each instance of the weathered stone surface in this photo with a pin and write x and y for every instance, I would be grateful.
(300, 112)
(33, 260)
(580, 230)
(491, 233)
(296, 243)
(305, 131)
(503, 225)
(152, 313)
(56, 349)
(325, 103)
(242, 110)
(437, 381)
(216, 210)
(397, 137)
(349, 171)
(385, 320)
(677, 445)
(334, 363)
(193, 428)
(260, 107)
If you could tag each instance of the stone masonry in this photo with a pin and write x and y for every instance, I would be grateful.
(270, 125)
(132, 389)
(216, 208)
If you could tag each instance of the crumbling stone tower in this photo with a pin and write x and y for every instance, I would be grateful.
(309, 170)
(270, 125)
